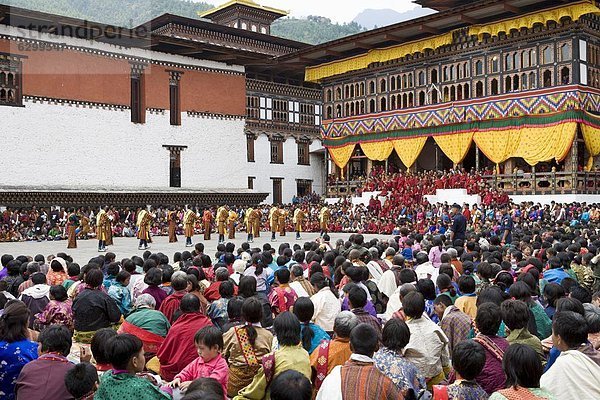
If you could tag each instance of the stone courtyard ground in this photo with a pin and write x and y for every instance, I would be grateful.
(128, 247)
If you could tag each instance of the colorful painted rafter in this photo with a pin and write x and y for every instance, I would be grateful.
(519, 104)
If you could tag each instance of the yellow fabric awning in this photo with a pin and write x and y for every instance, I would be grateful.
(318, 72)
(573, 11)
(455, 146)
(591, 137)
(341, 155)
(377, 151)
(408, 150)
(543, 144)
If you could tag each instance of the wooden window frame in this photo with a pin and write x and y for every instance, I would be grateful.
(276, 150)
(138, 109)
(250, 141)
(303, 152)
(175, 97)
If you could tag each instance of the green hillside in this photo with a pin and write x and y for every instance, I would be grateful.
(129, 13)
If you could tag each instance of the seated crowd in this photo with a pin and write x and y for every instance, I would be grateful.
(451, 319)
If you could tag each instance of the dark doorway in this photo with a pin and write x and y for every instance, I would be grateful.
(277, 190)
(175, 169)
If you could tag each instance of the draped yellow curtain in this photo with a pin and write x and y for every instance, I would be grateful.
(318, 72)
(591, 137)
(341, 155)
(498, 146)
(409, 149)
(377, 151)
(545, 143)
(455, 146)
(573, 11)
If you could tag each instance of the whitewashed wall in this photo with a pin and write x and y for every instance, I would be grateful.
(61, 146)
(263, 170)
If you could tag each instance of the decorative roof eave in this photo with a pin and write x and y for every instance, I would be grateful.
(247, 3)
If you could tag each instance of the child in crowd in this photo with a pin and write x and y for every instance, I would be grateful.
(82, 381)
(111, 275)
(467, 303)
(209, 364)
(153, 279)
(73, 270)
(57, 312)
(468, 359)
(217, 311)
(121, 294)
(282, 296)
(58, 272)
(126, 355)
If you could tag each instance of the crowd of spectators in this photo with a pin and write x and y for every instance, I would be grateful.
(464, 314)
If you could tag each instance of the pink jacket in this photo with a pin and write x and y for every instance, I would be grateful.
(215, 368)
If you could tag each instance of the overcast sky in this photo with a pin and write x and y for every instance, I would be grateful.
(337, 10)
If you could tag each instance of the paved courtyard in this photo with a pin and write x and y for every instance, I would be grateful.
(127, 247)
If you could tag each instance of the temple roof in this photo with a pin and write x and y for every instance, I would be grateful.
(243, 3)
(466, 13)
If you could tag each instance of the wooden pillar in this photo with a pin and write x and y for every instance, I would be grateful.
(476, 157)
(533, 180)
(437, 157)
(574, 157)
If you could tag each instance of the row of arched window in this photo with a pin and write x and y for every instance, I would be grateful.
(456, 92)
(7, 79)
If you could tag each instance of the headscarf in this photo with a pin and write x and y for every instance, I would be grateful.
(145, 301)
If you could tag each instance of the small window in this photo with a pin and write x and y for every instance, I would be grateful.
(266, 108)
(277, 151)
(421, 98)
(532, 80)
(494, 64)
(293, 112)
(508, 65)
(137, 96)
(371, 87)
(478, 68)
(174, 97)
(10, 88)
(263, 30)
(303, 153)
(494, 86)
(547, 57)
(250, 147)
(421, 78)
(251, 182)
(479, 89)
(525, 57)
(565, 52)
(547, 78)
(372, 106)
(382, 85)
(434, 76)
(565, 76)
